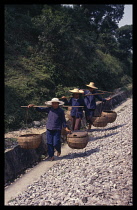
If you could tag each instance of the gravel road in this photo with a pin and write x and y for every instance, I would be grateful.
(100, 174)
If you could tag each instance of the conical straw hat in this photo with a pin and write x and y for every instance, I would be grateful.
(54, 100)
(76, 90)
(91, 84)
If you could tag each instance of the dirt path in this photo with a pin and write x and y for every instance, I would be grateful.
(21, 184)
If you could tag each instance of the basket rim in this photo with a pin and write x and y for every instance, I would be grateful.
(109, 111)
(99, 116)
(30, 134)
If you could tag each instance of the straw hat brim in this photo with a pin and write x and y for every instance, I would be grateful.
(91, 86)
(49, 103)
(74, 91)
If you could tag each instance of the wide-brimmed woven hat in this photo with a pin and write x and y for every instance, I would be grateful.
(76, 90)
(54, 100)
(91, 84)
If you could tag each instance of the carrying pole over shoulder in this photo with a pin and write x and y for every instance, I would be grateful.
(90, 94)
(49, 106)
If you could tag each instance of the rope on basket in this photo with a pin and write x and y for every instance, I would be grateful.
(27, 117)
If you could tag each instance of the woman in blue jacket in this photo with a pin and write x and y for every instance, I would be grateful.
(76, 112)
(56, 120)
(90, 101)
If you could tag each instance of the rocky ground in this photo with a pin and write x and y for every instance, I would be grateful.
(100, 174)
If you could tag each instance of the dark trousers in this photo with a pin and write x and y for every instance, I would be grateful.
(76, 123)
(53, 141)
(89, 115)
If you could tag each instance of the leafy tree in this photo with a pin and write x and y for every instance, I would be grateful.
(67, 44)
(51, 48)
(97, 12)
(124, 37)
(103, 16)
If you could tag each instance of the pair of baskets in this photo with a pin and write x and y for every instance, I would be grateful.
(76, 140)
(105, 118)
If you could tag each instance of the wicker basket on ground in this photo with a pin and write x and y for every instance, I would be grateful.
(29, 141)
(78, 139)
(110, 115)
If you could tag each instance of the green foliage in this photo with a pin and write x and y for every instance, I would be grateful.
(124, 36)
(109, 70)
(50, 49)
(98, 11)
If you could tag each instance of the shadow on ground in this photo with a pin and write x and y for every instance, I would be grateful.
(91, 138)
(94, 138)
(79, 154)
(106, 129)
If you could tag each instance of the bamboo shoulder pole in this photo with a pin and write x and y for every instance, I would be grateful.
(49, 106)
(70, 97)
(94, 94)
(104, 91)
(88, 95)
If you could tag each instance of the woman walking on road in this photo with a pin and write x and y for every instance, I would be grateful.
(90, 101)
(56, 120)
(76, 112)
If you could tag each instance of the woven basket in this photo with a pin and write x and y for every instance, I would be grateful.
(110, 115)
(77, 140)
(99, 121)
(29, 141)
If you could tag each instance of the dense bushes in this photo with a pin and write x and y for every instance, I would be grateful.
(50, 49)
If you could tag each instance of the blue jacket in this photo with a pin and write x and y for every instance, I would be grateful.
(90, 101)
(56, 118)
(76, 111)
